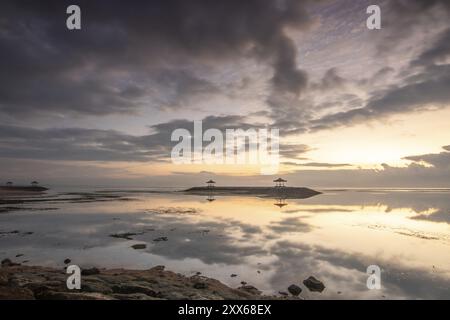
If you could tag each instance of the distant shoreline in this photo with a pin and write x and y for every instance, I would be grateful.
(277, 192)
(16, 189)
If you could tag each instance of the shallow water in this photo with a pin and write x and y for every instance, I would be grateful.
(334, 237)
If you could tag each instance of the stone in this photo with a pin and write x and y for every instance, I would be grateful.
(158, 268)
(52, 295)
(139, 246)
(160, 239)
(133, 296)
(67, 261)
(200, 285)
(96, 287)
(233, 275)
(3, 279)
(90, 272)
(134, 288)
(294, 290)
(250, 289)
(313, 284)
(15, 293)
(9, 263)
(25, 282)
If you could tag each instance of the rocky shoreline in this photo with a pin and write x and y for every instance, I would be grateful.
(18, 282)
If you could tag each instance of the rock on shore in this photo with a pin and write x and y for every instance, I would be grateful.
(25, 282)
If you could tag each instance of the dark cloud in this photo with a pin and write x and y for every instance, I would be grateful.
(423, 85)
(109, 65)
(331, 80)
(439, 160)
(293, 151)
(438, 53)
(405, 18)
(318, 164)
(421, 92)
(79, 144)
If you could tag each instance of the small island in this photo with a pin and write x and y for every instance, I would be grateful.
(11, 188)
(24, 188)
(263, 192)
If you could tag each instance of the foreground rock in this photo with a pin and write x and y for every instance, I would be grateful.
(313, 284)
(24, 282)
(294, 290)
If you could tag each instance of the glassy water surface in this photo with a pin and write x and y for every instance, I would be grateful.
(268, 243)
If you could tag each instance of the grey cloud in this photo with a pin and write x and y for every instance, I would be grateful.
(294, 151)
(420, 94)
(439, 52)
(318, 164)
(331, 80)
(404, 18)
(439, 160)
(422, 86)
(106, 67)
(79, 144)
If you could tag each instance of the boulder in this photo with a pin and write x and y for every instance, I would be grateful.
(139, 246)
(250, 289)
(313, 284)
(294, 290)
(134, 288)
(158, 268)
(9, 263)
(15, 293)
(90, 272)
(200, 285)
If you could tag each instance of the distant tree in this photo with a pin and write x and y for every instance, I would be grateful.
(35, 183)
(9, 183)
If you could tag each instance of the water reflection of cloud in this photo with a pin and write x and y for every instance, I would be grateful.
(215, 240)
(346, 272)
(187, 237)
(290, 224)
(428, 205)
(435, 216)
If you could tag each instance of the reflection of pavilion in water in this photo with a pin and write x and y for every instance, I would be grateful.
(210, 184)
(281, 202)
(280, 185)
(211, 197)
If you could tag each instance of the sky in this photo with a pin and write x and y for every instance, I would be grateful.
(355, 107)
